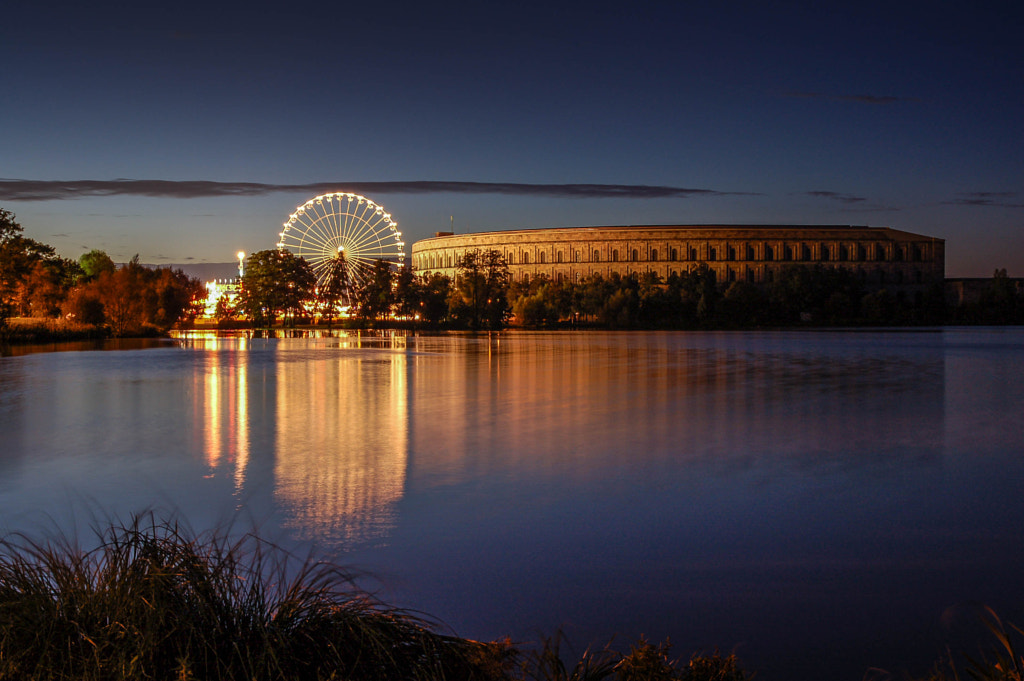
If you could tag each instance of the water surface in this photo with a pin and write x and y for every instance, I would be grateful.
(813, 500)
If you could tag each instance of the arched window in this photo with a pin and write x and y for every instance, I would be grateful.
(673, 255)
(730, 253)
(824, 252)
(526, 258)
(805, 252)
(769, 254)
(511, 259)
(844, 254)
(596, 257)
(693, 254)
(615, 255)
(897, 254)
(558, 256)
(748, 252)
(634, 255)
(541, 258)
(654, 254)
(879, 252)
(787, 253)
(711, 253)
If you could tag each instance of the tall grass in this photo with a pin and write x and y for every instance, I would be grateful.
(155, 601)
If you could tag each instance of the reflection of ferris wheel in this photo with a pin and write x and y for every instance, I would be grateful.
(342, 227)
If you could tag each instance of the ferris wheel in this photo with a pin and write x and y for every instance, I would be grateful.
(342, 227)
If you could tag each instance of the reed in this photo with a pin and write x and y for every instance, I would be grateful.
(156, 601)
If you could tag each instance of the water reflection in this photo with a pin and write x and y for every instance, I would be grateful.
(577, 405)
(221, 404)
(342, 439)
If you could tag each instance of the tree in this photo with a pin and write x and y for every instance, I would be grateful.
(376, 295)
(335, 288)
(275, 282)
(434, 290)
(94, 263)
(482, 287)
(18, 258)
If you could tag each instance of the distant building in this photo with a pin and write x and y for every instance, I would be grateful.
(880, 256)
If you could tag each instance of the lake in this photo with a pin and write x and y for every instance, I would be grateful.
(821, 502)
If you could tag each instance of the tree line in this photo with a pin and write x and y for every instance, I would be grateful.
(483, 296)
(130, 300)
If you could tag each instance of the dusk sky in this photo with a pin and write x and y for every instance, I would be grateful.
(188, 131)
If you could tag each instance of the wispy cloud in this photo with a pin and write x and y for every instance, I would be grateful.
(851, 202)
(1002, 199)
(836, 196)
(51, 190)
(859, 99)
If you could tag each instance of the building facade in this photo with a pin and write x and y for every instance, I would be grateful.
(880, 256)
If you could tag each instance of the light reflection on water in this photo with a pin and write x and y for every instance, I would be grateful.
(818, 498)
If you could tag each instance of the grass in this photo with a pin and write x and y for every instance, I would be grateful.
(24, 330)
(157, 602)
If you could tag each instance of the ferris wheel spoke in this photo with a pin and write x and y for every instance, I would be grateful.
(335, 209)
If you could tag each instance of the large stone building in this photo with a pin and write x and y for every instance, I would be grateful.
(882, 257)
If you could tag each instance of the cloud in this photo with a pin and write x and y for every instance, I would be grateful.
(851, 203)
(836, 196)
(1000, 199)
(860, 99)
(53, 190)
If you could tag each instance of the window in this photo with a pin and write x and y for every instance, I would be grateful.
(879, 252)
(769, 254)
(749, 252)
(634, 255)
(787, 253)
(824, 252)
(526, 260)
(844, 254)
(861, 255)
(541, 258)
(596, 257)
(673, 255)
(805, 252)
(615, 255)
(711, 253)
(730, 253)
(558, 256)
(654, 254)
(693, 254)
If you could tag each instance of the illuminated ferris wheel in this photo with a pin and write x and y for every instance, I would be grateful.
(346, 228)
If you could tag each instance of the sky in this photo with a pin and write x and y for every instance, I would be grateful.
(187, 131)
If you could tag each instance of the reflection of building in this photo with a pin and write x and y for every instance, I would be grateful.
(754, 253)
